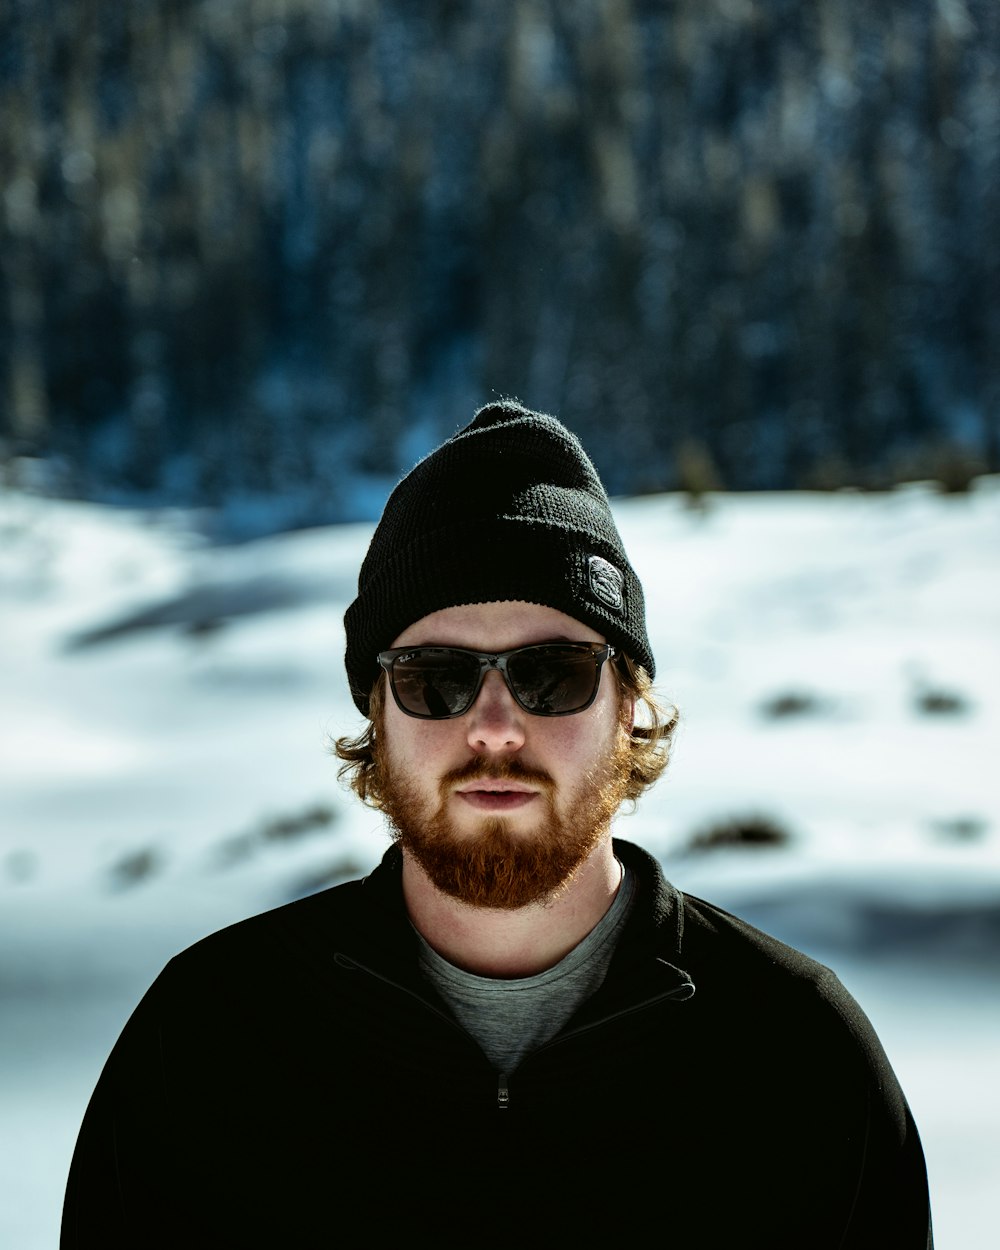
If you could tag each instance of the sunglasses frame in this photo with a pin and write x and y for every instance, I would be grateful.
(600, 651)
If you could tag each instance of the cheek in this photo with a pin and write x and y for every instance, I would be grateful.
(413, 742)
(578, 743)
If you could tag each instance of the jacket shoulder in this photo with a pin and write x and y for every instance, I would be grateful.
(293, 940)
(709, 932)
(787, 990)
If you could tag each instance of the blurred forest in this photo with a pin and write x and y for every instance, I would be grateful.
(272, 249)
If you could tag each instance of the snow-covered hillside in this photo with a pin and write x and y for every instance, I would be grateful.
(165, 708)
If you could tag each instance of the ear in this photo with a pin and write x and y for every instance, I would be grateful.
(628, 714)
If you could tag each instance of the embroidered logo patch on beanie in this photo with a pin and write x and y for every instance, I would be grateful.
(606, 582)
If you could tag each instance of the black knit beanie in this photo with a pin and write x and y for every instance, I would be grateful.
(508, 508)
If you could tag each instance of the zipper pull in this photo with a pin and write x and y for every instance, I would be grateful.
(503, 1094)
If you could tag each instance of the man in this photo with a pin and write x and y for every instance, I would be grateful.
(514, 1029)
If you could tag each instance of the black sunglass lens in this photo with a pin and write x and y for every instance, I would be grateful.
(434, 683)
(550, 681)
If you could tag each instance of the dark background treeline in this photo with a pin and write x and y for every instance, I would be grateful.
(274, 249)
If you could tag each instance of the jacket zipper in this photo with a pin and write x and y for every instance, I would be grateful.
(503, 1089)
(503, 1092)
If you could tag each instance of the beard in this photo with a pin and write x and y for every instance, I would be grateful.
(495, 866)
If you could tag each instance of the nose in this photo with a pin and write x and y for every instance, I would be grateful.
(495, 723)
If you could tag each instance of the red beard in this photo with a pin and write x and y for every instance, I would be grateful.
(494, 866)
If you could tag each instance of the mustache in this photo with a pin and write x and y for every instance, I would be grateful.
(481, 769)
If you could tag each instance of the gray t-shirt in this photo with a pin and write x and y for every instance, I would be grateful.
(511, 1018)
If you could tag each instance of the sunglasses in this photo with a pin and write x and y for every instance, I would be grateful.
(551, 679)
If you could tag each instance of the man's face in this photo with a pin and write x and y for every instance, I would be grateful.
(499, 806)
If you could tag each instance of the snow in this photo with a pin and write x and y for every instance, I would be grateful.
(165, 709)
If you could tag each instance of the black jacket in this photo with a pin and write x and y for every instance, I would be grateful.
(293, 1078)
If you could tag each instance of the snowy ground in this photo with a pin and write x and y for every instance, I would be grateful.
(164, 708)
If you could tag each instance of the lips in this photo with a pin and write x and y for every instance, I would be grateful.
(491, 786)
(488, 795)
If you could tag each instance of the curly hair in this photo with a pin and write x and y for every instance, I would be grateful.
(650, 738)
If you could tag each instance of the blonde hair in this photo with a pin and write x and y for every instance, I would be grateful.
(650, 737)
